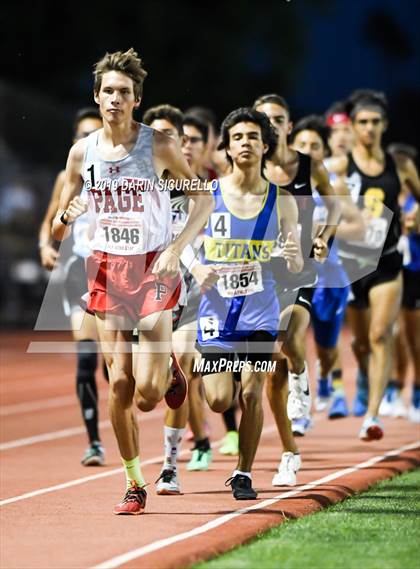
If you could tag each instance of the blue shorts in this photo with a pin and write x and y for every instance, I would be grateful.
(328, 312)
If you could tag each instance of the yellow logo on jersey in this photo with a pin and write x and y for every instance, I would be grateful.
(373, 201)
(232, 250)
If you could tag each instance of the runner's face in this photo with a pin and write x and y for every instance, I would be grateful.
(279, 119)
(246, 147)
(193, 147)
(309, 142)
(341, 139)
(85, 127)
(167, 127)
(369, 127)
(116, 98)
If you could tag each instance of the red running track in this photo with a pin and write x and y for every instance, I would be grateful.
(56, 513)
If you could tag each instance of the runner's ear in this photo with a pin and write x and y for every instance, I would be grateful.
(137, 103)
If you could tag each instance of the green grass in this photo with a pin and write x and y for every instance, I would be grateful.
(377, 529)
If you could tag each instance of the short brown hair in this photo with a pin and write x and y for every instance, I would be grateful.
(167, 112)
(127, 62)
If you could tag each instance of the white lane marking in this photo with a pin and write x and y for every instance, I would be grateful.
(50, 403)
(161, 543)
(78, 481)
(71, 432)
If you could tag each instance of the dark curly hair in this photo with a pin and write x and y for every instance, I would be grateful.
(312, 122)
(366, 99)
(248, 114)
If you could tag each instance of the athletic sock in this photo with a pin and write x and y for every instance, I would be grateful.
(202, 444)
(395, 385)
(324, 387)
(337, 382)
(87, 359)
(172, 442)
(133, 471)
(362, 381)
(242, 473)
(416, 397)
(229, 419)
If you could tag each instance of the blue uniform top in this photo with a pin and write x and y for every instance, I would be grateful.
(412, 260)
(244, 299)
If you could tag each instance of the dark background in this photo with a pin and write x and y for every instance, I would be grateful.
(219, 54)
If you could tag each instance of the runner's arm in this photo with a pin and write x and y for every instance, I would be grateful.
(48, 253)
(321, 181)
(408, 174)
(351, 224)
(70, 205)
(288, 222)
(169, 158)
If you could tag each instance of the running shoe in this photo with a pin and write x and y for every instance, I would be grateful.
(287, 469)
(134, 501)
(230, 444)
(241, 486)
(168, 483)
(360, 402)
(299, 400)
(323, 394)
(338, 407)
(372, 430)
(177, 392)
(301, 426)
(200, 460)
(94, 455)
(392, 404)
(414, 414)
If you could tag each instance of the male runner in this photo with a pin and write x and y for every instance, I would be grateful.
(83, 325)
(169, 119)
(406, 332)
(238, 319)
(133, 272)
(310, 136)
(376, 179)
(297, 173)
(341, 137)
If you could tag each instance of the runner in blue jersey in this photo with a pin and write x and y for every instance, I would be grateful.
(310, 136)
(238, 317)
(406, 336)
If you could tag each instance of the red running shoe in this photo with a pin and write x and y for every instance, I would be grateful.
(177, 392)
(133, 502)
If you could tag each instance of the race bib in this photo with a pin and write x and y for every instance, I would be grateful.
(121, 236)
(240, 279)
(376, 233)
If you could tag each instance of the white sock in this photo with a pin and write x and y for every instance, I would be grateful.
(172, 443)
(235, 472)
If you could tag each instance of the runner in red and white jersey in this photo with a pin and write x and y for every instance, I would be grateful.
(133, 270)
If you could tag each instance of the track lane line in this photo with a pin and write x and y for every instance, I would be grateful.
(48, 403)
(78, 481)
(70, 432)
(162, 543)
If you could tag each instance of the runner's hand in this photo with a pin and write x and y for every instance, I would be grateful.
(320, 249)
(48, 256)
(205, 275)
(290, 248)
(167, 264)
(75, 209)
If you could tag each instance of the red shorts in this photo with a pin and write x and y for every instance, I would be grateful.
(124, 285)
